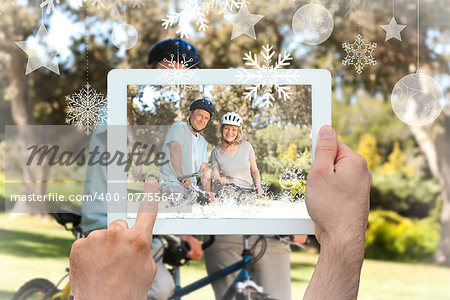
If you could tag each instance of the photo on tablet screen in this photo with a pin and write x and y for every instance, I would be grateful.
(264, 177)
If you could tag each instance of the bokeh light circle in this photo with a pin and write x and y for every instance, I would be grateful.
(312, 24)
(124, 36)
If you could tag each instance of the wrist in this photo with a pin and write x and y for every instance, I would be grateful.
(349, 250)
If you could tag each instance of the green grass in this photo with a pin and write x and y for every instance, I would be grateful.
(31, 247)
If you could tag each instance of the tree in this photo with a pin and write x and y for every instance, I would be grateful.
(30, 101)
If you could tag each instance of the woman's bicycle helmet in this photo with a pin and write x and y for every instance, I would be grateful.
(232, 118)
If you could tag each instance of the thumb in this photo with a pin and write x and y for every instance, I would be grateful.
(326, 149)
(148, 209)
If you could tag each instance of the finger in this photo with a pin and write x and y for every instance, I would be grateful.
(326, 149)
(118, 225)
(147, 210)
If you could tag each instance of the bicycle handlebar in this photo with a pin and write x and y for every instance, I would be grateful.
(188, 176)
(233, 185)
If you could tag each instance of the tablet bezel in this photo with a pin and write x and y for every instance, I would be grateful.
(120, 79)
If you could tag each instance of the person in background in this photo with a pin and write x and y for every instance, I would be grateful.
(94, 213)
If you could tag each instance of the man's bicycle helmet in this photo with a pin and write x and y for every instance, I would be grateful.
(203, 104)
(176, 47)
(232, 118)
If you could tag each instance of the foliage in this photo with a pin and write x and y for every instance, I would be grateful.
(392, 237)
(412, 196)
(368, 149)
(396, 185)
(397, 163)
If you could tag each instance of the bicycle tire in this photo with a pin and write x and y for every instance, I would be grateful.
(32, 289)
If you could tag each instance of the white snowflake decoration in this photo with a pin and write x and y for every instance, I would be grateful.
(191, 11)
(359, 54)
(114, 7)
(222, 6)
(179, 72)
(50, 4)
(196, 10)
(86, 109)
(267, 76)
(80, 2)
(137, 4)
(98, 3)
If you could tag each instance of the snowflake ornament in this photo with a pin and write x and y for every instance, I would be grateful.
(359, 54)
(180, 71)
(114, 7)
(86, 109)
(80, 2)
(191, 11)
(267, 76)
(137, 4)
(221, 7)
(99, 4)
(50, 4)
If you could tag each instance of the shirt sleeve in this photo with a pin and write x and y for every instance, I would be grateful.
(205, 153)
(214, 162)
(175, 133)
(251, 152)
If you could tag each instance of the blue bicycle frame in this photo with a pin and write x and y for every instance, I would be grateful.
(240, 265)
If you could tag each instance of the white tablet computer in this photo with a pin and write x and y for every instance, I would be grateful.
(282, 111)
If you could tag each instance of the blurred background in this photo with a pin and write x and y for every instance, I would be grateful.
(408, 238)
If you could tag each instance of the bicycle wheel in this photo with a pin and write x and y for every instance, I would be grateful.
(36, 289)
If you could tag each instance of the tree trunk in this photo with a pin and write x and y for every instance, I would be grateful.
(21, 111)
(436, 151)
(443, 151)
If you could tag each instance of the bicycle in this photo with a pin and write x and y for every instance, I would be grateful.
(196, 193)
(175, 251)
(175, 255)
(242, 287)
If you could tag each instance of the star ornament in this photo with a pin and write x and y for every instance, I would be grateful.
(393, 30)
(38, 54)
(243, 23)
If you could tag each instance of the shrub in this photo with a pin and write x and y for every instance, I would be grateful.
(393, 237)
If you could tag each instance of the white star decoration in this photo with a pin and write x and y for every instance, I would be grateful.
(359, 54)
(38, 54)
(243, 22)
(393, 30)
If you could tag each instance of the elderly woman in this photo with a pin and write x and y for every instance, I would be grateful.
(233, 161)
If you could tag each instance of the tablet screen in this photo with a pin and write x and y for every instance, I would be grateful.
(255, 170)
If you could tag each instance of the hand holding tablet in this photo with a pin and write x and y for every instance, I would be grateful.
(116, 263)
(337, 198)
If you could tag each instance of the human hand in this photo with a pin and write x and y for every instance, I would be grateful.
(196, 247)
(337, 199)
(300, 239)
(212, 196)
(186, 182)
(223, 180)
(116, 263)
(338, 190)
(259, 190)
